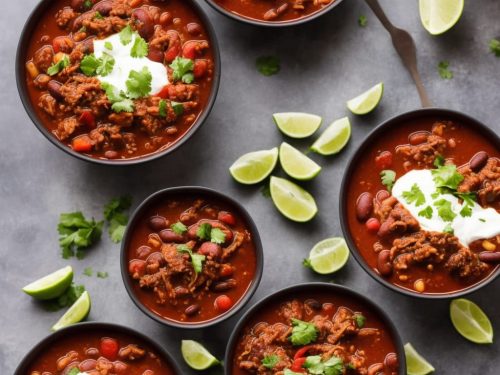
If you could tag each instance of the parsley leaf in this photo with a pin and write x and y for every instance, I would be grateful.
(268, 65)
(203, 232)
(269, 361)
(126, 35)
(444, 210)
(119, 102)
(178, 228)
(117, 220)
(140, 48)
(387, 178)
(362, 21)
(444, 71)
(360, 320)
(102, 274)
(77, 233)
(58, 66)
(217, 236)
(124, 105)
(196, 259)
(495, 47)
(426, 212)
(447, 176)
(466, 211)
(162, 108)
(87, 4)
(448, 229)
(438, 161)
(139, 83)
(107, 63)
(183, 69)
(303, 333)
(415, 195)
(177, 107)
(89, 65)
(88, 271)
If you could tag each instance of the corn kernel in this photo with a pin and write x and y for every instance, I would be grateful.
(490, 246)
(430, 267)
(403, 277)
(32, 69)
(419, 285)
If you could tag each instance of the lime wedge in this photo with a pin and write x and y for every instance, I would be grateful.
(296, 124)
(334, 138)
(415, 363)
(296, 164)
(76, 313)
(367, 101)
(291, 200)
(438, 16)
(329, 255)
(255, 166)
(470, 321)
(196, 356)
(52, 285)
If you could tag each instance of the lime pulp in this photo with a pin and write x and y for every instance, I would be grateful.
(254, 167)
(76, 313)
(196, 356)
(334, 138)
(296, 164)
(291, 200)
(297, 124)
(52, 285)
(470, 321)
(329, 255)
(439, 16)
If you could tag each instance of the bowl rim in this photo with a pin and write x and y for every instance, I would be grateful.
(38, 349)
(192, 191)
(343, 211)
(271, 24)
(301, 287)
(20, 73)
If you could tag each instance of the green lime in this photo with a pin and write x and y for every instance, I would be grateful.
(470, 321)
(367, 101)
(255, 166)
(415, 363)
(329, 255)
(50, 286)
(296, 164)
(291, 200)
(196, 356)
(438, 16)
(334, 138)
(76, 313)
(297, 124)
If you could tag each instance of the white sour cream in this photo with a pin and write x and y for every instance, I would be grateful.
(483, 223)
(124, 63)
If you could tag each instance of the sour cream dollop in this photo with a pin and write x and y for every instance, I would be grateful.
(483, 222)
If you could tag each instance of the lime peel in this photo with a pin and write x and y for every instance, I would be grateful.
(254, 167)
(415, 363)
(76, 313)
(329, 255)
(367, 101)
(297, 124)
(197, 356)
(296, 164)
(334, 138)
(439, 16)
(470, 321)
(291, 200)
(50, 286)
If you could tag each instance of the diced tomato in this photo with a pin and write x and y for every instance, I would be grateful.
(297, 365)
(223, 303)
(165, 92)
(200, 68)
(189, 49)
(373, 225)
(384, 160)
(82, 143)
(328, 308)
(136, 268)
(301, 352)
(172, 53)
(109, 348)
(62, 44)
(226, 218)
(226, 270)
(87, 118)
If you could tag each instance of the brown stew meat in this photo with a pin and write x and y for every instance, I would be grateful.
(274, 10)
(69, 85)
(309, 332)
(463, 163)
(191, 260)
(97, 353)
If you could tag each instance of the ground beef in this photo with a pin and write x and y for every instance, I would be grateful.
(66, 127)
(394, 218)
(43, 58)
(65, 16)
(486, 182)
(466, 263)
(48, 104)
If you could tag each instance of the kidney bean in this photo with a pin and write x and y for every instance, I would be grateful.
(313, 304)
(120, 367)
(136, 268)
(104, 7)
(92, 352)
(155, 55)
(111, 154)
(54, 88)
(385, 229)
(364, 206)
(223, 286)
(194, 29)
(181, 291)
(143, 252)
(382, 195)
(63, 44)
(87, 365)
(489, 257)
(226, 270)
(210, 249)
(375, 369)
(165, 19)
(168, 235)
(384, 160)
(478, 161)
(155, 257)
(143, 23)
(384, 264)
(391, 361)
(157, 223)
(192, 309)
(226, 218)
(418, 138)
(41, 81)
(87, 45)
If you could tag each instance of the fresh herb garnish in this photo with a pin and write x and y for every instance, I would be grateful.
(307, 263)
(139, 83)
(162, 108)
(88, 271)
(448, 229)
(447, 176)
(117, 220)
(203, 231)
(183, 69)
(177, 107)
(265, 190)
(268, 65)
(98, 16)
(415, 195)
(77, 233)
(178, 228)
(107, 63)
(108, 45)
(269, 361)
(196, 259)
(303, 333)
(102, 274)
(482, 220)
(66, 299)
(120, 103)
(74, 371)
(426, 212)
(140, 48)
(439, 161)
(91, 65)
(126, 35)
(444, 71)
(388, 177)
(58, 66)
(466, 211)
(495, 47)
(290, 372)
(87, 4)
(360, 320)
(332, 366)
(206, 232)
(217, 236)
(444, 210)
(362, 20)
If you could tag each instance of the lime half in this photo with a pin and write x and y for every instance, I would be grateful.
(76, 313)
(334, 138)
(470, 321)
(297, 124)
(196, 356)
(255, 166)
(52, 285)
(291, 200)
(415, 363)
(329, 255)
(367, 101)
(438, 16)
(296, 164)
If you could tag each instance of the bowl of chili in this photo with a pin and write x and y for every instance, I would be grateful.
(118, 82)
(191, 257)
(420, 204)
(86, 347)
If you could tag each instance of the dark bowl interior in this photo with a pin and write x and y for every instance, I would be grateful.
(21, 57)
(314, 288)
(74, 330)
(191, 191)
(353, 164)
(255, 22)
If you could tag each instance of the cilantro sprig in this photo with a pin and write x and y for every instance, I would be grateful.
(140, 47)
(92, 66)
(414, 195)
(388, 177)
(206, 232)
(139, 83)
(76, 233)
(303, 333)
(444, 210)
(119, 102)
(196, 259)
(268, 65)
(182, 69)
(332, 366)
(116, 218)
(269, 361)
(58, 66)
(444, 70)
(426, 212)
(495, 47)
(178, 228)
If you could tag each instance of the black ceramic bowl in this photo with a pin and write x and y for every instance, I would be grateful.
(21, 58)
(194, 191)
(256, 22)
(106, 329)
(292, 291)
(445, 114)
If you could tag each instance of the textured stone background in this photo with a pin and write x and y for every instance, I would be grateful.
(324, 63)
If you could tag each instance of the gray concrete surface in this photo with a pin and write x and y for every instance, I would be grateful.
(324, 63)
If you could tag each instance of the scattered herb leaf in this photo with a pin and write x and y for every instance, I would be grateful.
(269, 361)
(482, 220)
(178, 228)
(448, 229)
(126, 35)
(117, 220)
(58, 66)
(77, 233)
(217, 236)
(102, 274)
(140, 48)
(495, 47)
(444, 71)
(88, 271)
(98, 16)
(139, 83)
(177, 107)
(362, 20)
(120, 103)
(447, 176)
(66, 299)
(332, 366)
(426, 212)
(439, 161)
(203, 232)
(182, 69)
(303, 333)
(268, 65)
(196, 259)
(360, 320)
(388, 177)
(415, 195)
(162, 108)
(444, 210)
(108, 46)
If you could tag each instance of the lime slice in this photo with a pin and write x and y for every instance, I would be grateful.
(367, 101)
(438, 16)
(50, 286)
(196, 356)
(470, 321)
(296, 124)
(76, 313)
(415, 363)
(291, 200)
(296, 164)
(255, 166)
(329, 255)
(334, 138)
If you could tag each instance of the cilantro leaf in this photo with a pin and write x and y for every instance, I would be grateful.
(362, 20)
(448, 229)
(89, 65)
(139, 83)
(178, 228)
(124, 105)
(303, 333)
(269, 361)
(426, 212)
(495, 47)
(106, 65)
(466, 211)
(140, 48)
(444, 210)
(126, 35)
(88, 271)
(66, 299)
(162, 108)
(177, 107)
(182, 69)
(307, 263)
(108, 45)
(203, 232)
(196, 259)
(438, 161)
(77, 233)
(117, 220)
(482, 220)
(58, 66)
(360, 320)
(119, 102)
(415, 195)
(102, 274)
(388, 177)
(447, 176)
(332, 366)
(217, 236)
(74, 371)
(87, 4)
(290, 372)
(98, 16)
(268, 65)
(444, 71)
(117, 205)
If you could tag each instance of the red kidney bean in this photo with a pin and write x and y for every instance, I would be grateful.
(194, 29)
(63, 44)
(375, 369)
(210, 249)
(104, 7)
(372, 225)
(384, 264)
(391, 361)
(111, 154)
(157, 223)
(382, 195)
(192, 309)
(136, 268)
(149, 372)
(418, 138)
(143, 252)
(181, 291)
(143, 23)
(165, 19)
(478, 161)
(384, 160)
(54, 88)
(223, 286)
(87, 365)
(87, 45)
(489, 257)
(385, 229)
(155, 55)
(120, 367)
(364, 206)
(168, 235)
(155, 257)
(313, 304)
(92, 352)
(226, 218)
